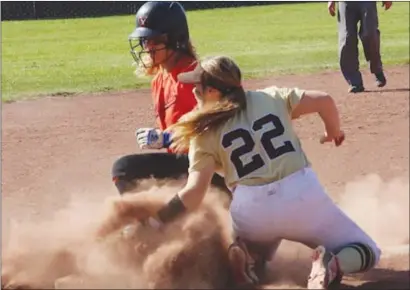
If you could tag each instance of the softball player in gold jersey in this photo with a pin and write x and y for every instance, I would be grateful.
(248, 138)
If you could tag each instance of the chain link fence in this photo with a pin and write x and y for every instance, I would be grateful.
(22, 10)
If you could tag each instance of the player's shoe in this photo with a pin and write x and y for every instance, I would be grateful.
(325, 270)
(242, 265)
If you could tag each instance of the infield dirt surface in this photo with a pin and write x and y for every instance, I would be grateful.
(59, 147)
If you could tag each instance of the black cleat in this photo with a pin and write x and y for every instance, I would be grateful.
(380, 79)
(356, 89)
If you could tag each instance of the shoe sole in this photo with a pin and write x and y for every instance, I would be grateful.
(356, 91)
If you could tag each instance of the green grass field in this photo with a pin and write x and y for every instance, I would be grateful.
(86, 55)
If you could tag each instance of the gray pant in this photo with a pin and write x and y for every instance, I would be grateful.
(348, 16)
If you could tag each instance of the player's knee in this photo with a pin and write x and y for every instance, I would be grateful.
(120, 167)
(370, 35)
(124, 186)
(122, 175)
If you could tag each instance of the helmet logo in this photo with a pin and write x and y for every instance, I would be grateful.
(142, 20)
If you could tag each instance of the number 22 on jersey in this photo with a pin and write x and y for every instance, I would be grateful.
(249, 144)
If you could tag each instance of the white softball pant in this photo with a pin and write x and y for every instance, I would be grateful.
(295, 208)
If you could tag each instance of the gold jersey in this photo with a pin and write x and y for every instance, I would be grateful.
(258, 145)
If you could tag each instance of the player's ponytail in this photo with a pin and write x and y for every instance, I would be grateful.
(223, 74)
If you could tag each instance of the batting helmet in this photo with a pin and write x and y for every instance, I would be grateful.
(156, 18)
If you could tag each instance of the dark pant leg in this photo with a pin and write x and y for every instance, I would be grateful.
(128, 170)
(370, 35)
(348, 15)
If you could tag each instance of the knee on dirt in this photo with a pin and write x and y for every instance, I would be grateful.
(121, 173)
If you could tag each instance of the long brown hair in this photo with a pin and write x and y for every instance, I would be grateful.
(223, 74)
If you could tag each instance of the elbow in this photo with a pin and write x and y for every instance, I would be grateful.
(327, 98)
(326, 103)
(312, 102)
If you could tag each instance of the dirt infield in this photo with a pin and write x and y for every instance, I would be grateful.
(56, 149)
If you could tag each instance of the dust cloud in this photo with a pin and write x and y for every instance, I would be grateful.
(191, 253)
(380, 207)
(62, 252)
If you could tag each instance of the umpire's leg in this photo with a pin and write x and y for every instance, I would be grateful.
(370, 36)
(348, 16)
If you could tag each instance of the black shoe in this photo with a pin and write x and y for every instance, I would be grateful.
(380, 79)
(356, 89)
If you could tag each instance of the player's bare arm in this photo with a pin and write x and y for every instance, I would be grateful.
(196, 187)
(126, 208)
(323, 104)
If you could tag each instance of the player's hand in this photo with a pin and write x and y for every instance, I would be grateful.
(150, 138)
(129, 231)
(331, 7)
(337, 138)
(114, 216)
(387, 4)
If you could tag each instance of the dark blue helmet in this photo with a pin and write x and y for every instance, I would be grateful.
(156, 18)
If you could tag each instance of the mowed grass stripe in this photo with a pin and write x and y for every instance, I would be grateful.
(87, 55)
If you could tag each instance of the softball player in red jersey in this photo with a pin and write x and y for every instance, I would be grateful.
(248, 138)
(161, 47)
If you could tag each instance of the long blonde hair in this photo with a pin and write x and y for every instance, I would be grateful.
(222, 73)
(151, 70)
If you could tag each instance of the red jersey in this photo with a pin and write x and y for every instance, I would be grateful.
(172, 99)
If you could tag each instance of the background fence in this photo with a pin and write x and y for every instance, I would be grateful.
(21, 10)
